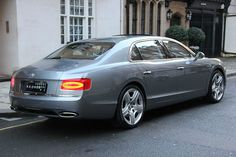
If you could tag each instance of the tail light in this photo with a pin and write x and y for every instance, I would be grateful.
(76, 84)
(12, 82)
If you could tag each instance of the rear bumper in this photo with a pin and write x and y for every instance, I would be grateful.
(55, 106)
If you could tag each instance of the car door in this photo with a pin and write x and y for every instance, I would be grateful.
(196, 72)
(160, 74)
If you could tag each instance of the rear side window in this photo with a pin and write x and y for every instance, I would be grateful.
(135, 55)
(83, 50)
(151, 50)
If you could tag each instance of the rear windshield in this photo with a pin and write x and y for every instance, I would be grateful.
(82, 50)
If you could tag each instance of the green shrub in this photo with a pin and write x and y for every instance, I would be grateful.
(177, 32)
(196, 36)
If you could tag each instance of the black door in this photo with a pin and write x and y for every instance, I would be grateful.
(211, 25)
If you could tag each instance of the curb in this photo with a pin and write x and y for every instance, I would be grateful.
(15, 114)
(231, 74)
(5, 79)
(7, 113)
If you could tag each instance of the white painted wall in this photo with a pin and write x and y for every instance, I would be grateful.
(230, 34)
(109, 18)
(8, 42)
(38, 29)
(232, 7)
(35, 29)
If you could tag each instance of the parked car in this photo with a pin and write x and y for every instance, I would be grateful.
(119, 77)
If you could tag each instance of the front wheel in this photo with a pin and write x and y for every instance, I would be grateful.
(216, 87)
(130, 108)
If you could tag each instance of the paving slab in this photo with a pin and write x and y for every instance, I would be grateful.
(4, 98)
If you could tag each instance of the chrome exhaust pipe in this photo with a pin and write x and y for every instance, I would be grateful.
(67, 114)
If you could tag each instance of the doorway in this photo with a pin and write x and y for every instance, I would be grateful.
(175, 20)
(211, 24)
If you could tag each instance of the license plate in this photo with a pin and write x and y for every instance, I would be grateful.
(34, 87)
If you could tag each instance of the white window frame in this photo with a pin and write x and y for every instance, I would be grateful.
(85, 17)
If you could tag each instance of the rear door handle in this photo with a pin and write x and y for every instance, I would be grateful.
(147, 72)
(180, 68)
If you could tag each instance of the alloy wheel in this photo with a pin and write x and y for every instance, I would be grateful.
(132, 106)
(218, 86)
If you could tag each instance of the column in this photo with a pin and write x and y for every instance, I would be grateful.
(155, 17)
(139, 16)
(130, 18)
(85, 21)
(164, 23)
(147, 14)
(67, 21)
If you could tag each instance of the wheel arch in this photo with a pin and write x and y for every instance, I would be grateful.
(214, 71)
(139, 85)
(221, 69)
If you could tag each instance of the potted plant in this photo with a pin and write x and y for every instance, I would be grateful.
(195, 36)
(177, 32)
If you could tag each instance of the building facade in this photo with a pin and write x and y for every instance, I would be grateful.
(209, 16)
(153, 17)
(230, 33)
(32, 29)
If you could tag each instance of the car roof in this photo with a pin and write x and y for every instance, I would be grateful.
(118, 38)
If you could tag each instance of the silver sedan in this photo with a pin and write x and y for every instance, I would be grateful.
(119, 77)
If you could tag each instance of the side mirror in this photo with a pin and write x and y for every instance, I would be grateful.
(199, 55)
(194, 48)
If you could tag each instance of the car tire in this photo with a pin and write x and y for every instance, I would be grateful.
(130, 107)
(216, 87)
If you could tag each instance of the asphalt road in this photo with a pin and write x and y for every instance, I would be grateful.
(188, 129)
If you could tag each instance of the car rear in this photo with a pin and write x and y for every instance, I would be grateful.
(45, 95)
(54, 86)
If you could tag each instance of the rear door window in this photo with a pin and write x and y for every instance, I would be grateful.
(151, 50)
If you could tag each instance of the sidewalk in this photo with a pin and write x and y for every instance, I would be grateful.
(230, 64)
(4, 99)
(4, 78)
